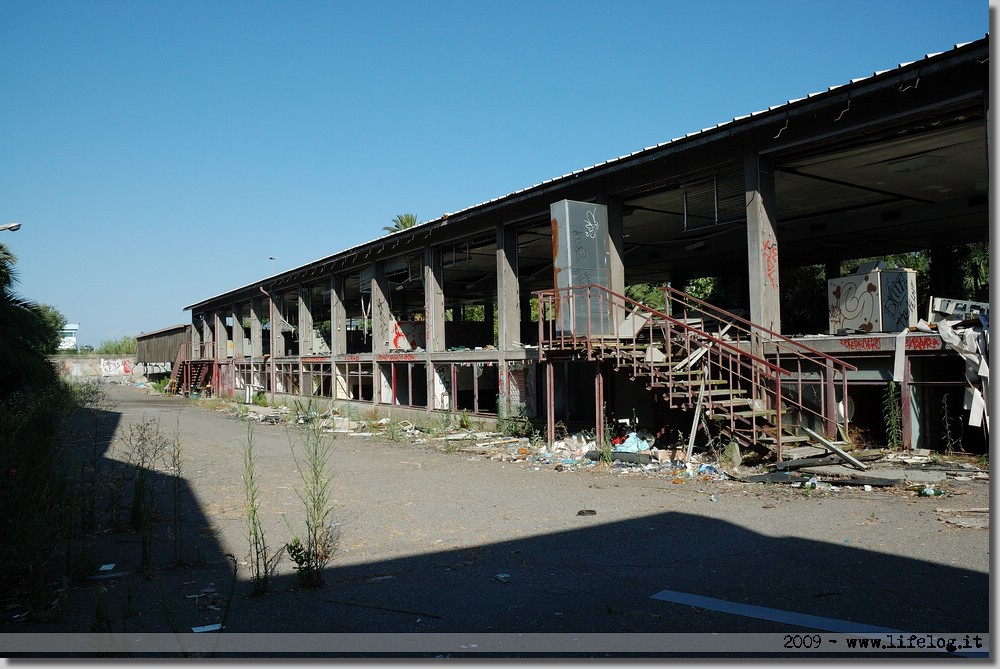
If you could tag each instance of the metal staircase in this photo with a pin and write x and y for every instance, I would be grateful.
(186, 375)
(750, 384)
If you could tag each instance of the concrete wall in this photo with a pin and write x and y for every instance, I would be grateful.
(108, 367)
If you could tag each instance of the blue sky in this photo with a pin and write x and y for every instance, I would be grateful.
(158, 153)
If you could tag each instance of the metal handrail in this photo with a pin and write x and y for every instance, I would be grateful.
(591, 318)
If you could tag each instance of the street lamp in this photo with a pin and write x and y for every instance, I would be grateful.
(13, 227)
(272, 259)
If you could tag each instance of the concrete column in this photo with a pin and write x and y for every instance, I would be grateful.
(508, 289)
(273, 318)
(762, 242)
(256, 332)
(306, 334)
(196, 336)
(616, 231)
(338, 317)
(434, 323)
(238, 332)
(221, 337)
(382, 316)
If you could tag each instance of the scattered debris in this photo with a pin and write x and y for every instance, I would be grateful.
(208, 628)
(586, 512)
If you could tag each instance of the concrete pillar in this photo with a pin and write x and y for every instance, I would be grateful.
(238, 332)
(197, 336)
(762, 242)
(616, 231)
(338, 317)
(221, 336)
(508, 289)
(306, 334)
(256, 332)
(273, 318)
(434, 322)
(382, 317)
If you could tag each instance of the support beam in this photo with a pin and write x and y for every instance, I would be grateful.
(762, 242)
(508, 289)
(433, 300)
(256, 331)
(382, 316)
(338, 317)
(550, 401)
(306, 334)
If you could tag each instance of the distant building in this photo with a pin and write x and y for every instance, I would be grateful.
(67, 337)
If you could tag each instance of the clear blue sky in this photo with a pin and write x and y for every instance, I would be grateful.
(157, 153)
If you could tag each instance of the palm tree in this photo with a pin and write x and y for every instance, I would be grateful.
(26, 338)
(401, 222)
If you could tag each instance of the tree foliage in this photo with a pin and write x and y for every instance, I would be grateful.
(401, 222)
(56, 322)
(124, 346)
(26, 337)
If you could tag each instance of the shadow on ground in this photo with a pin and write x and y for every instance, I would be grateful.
(599, 579)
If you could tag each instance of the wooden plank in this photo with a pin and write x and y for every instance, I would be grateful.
(836, 449)
(694, 423)
(819, 462)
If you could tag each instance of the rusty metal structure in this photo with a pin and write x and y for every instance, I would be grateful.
(483, 310)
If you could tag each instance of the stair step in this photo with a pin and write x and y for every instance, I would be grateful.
(751, 413)
(735, 401)
(787, 438)
(686, 384)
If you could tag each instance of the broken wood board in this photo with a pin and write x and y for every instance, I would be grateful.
(836, 449)
(498, 442)
(788, 477)
(787, 465)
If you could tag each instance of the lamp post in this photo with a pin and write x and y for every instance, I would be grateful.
(13, 227)
(272, 259)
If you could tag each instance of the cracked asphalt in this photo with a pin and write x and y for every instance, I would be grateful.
(448, 542)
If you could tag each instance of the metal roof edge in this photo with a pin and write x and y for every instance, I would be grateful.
(774, 110)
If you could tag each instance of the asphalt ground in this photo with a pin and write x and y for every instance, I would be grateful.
(440, 542)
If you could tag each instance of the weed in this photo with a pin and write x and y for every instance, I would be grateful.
(177, 489)
(952, 435)
(259, 564)
(464, 422)
(321, 538)
(516, 425)
(893, 416)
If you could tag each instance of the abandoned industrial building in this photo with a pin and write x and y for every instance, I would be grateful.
(526, 305)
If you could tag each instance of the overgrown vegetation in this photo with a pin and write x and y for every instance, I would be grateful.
(124, 346)
(260, 564)
(312, 554)
(893, 416)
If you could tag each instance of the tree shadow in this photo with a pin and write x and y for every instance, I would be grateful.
(599, 578)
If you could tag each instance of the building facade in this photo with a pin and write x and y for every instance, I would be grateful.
(519, 305)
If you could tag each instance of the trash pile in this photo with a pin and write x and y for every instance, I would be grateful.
(634, 452)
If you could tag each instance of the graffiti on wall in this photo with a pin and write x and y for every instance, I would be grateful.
(116, 367)
(770, 248)
(408, 335)
(877, 301)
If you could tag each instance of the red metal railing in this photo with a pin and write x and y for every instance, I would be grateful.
(697, 349)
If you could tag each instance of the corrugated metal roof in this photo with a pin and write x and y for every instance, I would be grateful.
(703, 131)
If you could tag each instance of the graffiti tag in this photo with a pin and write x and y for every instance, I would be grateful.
(866, 344)
(923, 343)
(771, 259)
